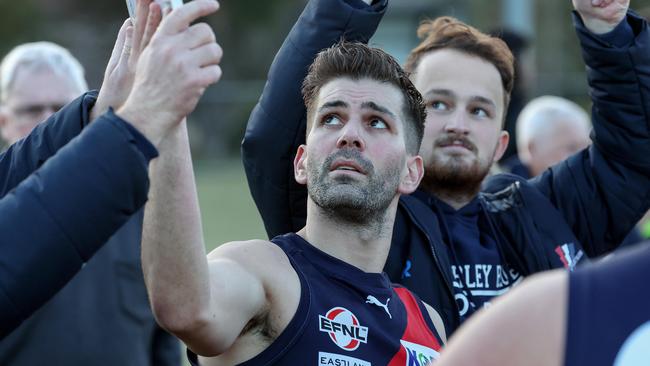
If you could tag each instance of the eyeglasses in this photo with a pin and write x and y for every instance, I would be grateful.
(36, 110)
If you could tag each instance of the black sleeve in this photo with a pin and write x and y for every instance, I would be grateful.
(28, 154)
(604, 190)
(166, 349)
(59, 216)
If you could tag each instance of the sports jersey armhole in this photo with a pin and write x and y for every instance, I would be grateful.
(296, 326)
(192, 357)
(427, 319)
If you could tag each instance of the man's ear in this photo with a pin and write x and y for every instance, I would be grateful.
(300, 165)
(4, 123)
(502, 145)
(4, 115)
(532, 150)
(414, 174)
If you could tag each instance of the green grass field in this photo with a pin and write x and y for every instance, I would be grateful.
(227, 209)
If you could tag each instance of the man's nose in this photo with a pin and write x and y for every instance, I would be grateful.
(50, 110)
(457, 123)
(351, 136)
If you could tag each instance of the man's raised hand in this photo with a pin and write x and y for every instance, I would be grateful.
(601, 16)
(173, 71)
(131, 41)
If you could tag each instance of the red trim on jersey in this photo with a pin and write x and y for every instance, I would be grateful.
(417, 329)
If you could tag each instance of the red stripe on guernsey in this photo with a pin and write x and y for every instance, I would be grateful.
(417, 332)
(560, 252)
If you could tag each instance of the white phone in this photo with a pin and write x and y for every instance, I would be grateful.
(169, 4)
(164, 5)
(130, 4)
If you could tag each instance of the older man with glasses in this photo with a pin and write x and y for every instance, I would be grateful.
(36, 80)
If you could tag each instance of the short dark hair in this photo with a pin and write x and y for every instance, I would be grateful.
(450, 33)
(358, 61)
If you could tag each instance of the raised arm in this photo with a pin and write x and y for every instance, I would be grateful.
(277, 124)
(603, 191)
(205, 304)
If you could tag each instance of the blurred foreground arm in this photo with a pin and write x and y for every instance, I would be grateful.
(524, 327)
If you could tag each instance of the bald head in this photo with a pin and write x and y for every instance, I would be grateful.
(549, 130)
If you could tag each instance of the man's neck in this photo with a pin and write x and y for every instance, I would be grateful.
(364, 246)
(455, 199)
(535, 169)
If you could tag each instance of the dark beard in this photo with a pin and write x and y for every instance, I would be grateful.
(452, 180)
(348, 201)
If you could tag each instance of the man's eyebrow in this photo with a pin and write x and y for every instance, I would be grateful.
(449, 93)
(444, 92)
(333, 104)
(484, 100)
(374, 106)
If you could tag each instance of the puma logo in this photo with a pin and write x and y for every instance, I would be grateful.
(373, 300)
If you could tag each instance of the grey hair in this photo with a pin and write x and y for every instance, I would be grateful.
(541, 115)
(37, 55)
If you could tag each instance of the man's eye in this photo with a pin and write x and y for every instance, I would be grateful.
(439, 105)
(331, 120)
(480, 112)
(378, 123)
(31, 110)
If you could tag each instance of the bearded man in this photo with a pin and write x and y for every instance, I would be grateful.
(459, 241)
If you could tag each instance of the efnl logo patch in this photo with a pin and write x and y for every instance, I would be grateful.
(418, 355)
(568, 255)
(343, 328)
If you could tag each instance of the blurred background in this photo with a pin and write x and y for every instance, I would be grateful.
(251, 31)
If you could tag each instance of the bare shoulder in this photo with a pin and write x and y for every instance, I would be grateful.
(250, 252)
(260, 258)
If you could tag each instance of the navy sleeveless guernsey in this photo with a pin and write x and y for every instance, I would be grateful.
(347, 317)
(609, 311)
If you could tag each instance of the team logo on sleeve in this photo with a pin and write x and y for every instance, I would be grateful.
(568, 255)
(343, 328)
